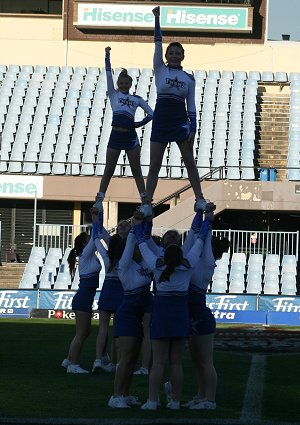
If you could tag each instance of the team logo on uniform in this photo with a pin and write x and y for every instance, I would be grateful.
(126, 102)
(175, 83)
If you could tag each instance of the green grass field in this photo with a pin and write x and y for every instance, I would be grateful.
(253, 388)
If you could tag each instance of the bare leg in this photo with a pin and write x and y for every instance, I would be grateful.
(112, 156)
(146, 346)
(83, 327)
(176, 354)
(186, 151)
(134, 158)
(156, 156)
(104, 318)
(160, 349)
(129, 352)
(202, 355)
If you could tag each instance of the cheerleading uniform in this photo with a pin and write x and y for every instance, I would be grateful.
(202, 320)
(124, 106)
(112, 291)
(89, 269)
(136, 279)
(170, 316)
(175, 110)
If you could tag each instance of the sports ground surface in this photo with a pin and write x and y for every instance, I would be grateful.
(258, 370)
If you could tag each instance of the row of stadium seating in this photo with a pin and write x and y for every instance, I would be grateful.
(255, 274)
(58, 120)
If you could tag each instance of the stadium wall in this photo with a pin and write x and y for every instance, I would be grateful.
(39, 40)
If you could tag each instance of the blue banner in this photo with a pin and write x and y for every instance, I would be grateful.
(60, 300)
(279, 303)
(278, 318)
(231, 302)
(15, 303)
(238, 316)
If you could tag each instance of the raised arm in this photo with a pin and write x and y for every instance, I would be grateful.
(158, 52)
(109, 78)
(127, 255)
(149, 257)
(197, 249)
(191, 110)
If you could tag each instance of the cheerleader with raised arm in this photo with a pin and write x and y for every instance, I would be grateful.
(111, 294)
(174, 118)
(136, 278)
(170, 317)
(123, 135)
(89, 268)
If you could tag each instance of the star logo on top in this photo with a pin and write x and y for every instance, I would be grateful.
(126, 101)
(175, 83)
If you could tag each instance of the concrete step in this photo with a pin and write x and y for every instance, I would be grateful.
(10, 274)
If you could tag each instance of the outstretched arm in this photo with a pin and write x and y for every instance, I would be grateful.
(109, 78)
(158, 52)
(191, 111)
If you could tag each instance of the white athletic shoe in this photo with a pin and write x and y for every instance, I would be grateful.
(173, 405)
(132, 400)
(75, 368)
(204, 405)
(195, 400)
(65, 363)
(149, 405)
(118, 402)
(168, 390)
(141, 371)
(104, 366)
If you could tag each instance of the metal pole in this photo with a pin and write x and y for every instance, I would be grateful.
(34, 218)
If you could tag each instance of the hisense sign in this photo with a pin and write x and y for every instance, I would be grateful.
(21, 187)
(139, 16)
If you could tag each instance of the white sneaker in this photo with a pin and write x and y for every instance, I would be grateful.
(118, 402)
(98, 202)
(108, 368)
(195, 400)
(149, 405)
(173, 405)
(132, 400)
(141, 371)
(168, 390)
(145, 210)
(75, 368)
(105, 367)
(204, 405)
(65, 363)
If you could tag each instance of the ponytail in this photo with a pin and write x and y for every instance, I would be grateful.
(173, 257)
(79, 242)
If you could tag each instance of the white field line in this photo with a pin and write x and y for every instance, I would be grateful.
(252, 404)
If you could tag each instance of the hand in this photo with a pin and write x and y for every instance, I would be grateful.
(156, 11)
(191, 138)
(94, 211)
(107, 49)
(135, 221)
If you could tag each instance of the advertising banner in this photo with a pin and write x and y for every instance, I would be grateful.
(38, 313)
(15, 303)
(278, 318)
(240, 316)
(279, 303)
(231, 302)
(60, 300)
(172, 16)
(21, 186)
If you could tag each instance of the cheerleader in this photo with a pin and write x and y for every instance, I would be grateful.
(203, 323)
(111, 294)
(123, 134)
(170, 318)
(174, 118)
(136, 278)
(82, 303)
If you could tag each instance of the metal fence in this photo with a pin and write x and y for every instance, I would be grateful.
(246, 241)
